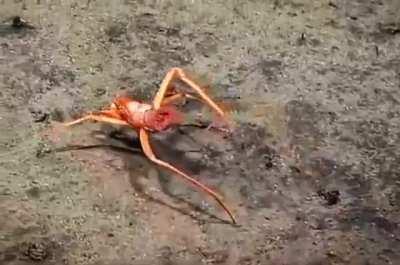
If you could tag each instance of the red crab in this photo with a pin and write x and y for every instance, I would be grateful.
(158, 116)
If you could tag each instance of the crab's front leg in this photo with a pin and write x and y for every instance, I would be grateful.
(180, 74)
(221, 122)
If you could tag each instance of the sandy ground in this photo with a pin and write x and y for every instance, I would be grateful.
(311, 170)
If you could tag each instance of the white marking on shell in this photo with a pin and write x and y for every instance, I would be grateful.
(137, 107)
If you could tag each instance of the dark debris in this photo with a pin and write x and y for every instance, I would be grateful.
(331, 197)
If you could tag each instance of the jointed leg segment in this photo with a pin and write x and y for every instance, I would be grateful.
(179, 95)
(180, 74)
(107, 116)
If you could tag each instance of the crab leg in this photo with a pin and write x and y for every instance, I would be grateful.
(176, 97)
(180, 74)
(107, 116)
(144, 140)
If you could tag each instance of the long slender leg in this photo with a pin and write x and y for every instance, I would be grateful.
(107, 116)
(144, 140)
(159, 97)
(182, 75)
(179, 73)
(176, 97)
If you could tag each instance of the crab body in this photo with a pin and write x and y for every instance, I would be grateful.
(143, 115)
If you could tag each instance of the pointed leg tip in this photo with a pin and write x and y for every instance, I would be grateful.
(67, 124)
(233, 219)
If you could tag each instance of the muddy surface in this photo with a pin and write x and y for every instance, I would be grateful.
(311, 170)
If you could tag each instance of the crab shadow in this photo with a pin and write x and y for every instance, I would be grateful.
(127, 145)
